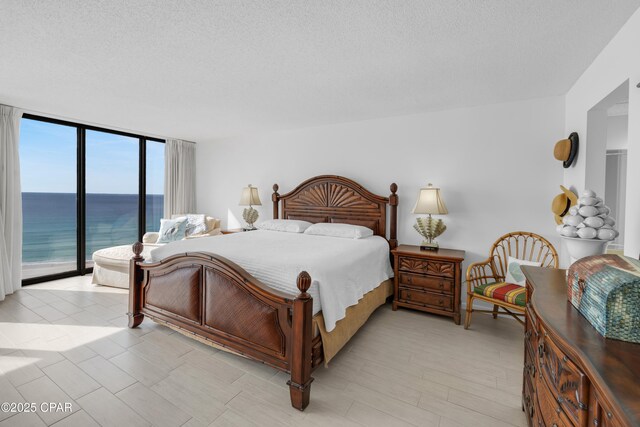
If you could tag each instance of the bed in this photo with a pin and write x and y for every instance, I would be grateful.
(194, 289)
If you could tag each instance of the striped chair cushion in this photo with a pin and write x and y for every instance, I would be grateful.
(513, 294)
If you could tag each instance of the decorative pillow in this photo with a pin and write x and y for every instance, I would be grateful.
(288, 225)
(172, 230)
(212, 223)
(515, 276)
(346, 231)
(196, 224)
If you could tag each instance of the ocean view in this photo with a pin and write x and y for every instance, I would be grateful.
(49, 225)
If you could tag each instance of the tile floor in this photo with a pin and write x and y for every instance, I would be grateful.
(67, 341)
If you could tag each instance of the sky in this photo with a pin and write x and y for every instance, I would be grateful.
(48, 161)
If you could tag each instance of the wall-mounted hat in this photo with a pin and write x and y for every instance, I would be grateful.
(562, 203)
(566, 150)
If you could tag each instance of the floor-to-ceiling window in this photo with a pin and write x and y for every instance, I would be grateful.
(154, 184)
(112, 184)
(84, 189)
(48, 166)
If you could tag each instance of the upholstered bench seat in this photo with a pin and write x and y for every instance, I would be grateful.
(111, 265)
(507, 292)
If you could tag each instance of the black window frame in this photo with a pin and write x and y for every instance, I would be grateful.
(81, 133)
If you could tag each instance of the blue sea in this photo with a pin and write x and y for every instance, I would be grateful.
(50, 223)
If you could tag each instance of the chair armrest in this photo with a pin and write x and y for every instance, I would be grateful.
(479, 273)
(150, 237)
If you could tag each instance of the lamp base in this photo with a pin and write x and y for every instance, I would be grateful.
(429, 246)
(250, 216)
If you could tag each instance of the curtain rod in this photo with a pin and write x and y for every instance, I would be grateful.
(85, 122)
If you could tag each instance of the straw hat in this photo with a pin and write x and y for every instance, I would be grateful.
(566, 150)
(562, 203)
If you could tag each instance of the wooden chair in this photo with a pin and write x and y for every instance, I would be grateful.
(486, 277)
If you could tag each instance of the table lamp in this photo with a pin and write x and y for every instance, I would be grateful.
(429, 202)
(250, 198)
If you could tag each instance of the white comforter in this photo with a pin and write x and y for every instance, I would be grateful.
(342, 270)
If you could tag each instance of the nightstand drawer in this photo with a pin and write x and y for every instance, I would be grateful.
(423, 266)
(429, 282)
(443, 302)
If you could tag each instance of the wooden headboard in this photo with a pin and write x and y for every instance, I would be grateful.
(331, 198)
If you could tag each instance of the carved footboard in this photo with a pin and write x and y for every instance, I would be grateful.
(215, 299)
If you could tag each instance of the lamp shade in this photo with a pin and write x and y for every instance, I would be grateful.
(250, 197)
(430, 202)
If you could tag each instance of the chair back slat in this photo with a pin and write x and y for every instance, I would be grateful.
(525, 246)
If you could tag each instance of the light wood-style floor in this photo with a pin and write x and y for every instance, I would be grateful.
(67, 341)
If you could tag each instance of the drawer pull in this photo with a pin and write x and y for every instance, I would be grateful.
(409, 280)
(441, 286)
(565, 358)
(441, 302)
(540, 350)
(609, 415)
(595, 422)
(408, 295)
(558, 410)
(527, 334)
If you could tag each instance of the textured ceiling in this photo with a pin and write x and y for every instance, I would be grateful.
(204, 69)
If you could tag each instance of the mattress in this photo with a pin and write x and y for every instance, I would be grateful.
(342, 270)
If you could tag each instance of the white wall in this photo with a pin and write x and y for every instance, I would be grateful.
(617, 127)
(493, 163)
(616, 64)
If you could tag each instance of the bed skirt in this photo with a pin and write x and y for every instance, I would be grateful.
(355, 317)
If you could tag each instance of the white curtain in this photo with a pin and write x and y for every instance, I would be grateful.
(10, 202)
(179, 177)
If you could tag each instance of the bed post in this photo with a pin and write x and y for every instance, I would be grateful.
(135, 284)
(275, 197)
(301, 337)
(393, 202)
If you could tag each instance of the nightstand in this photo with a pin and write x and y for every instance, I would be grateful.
(428, 281)
(232, 230)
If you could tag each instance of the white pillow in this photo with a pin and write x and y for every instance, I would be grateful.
(196, 224)
(347, 231)
(515, 276)
(287, 225)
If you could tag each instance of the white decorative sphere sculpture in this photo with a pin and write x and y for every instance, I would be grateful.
(588, 221)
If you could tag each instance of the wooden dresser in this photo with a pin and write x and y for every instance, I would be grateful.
(428, 280)
(572, 375)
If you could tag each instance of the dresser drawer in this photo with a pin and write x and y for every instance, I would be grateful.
(437, 284)
(567, 382)
(443, 302)
(528, 401)
(530, 370)
(550, 410)
(601, 413)
(423, 266)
